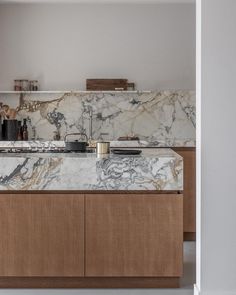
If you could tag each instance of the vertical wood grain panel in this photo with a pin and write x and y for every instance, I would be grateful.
(134, 235)
(41, 235)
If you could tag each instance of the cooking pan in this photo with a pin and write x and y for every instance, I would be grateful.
(76, 146)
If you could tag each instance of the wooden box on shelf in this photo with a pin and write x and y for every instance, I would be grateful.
(106, 84)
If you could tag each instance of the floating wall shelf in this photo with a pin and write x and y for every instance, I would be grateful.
(71, 91)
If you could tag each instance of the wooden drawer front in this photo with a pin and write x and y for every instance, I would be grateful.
(41, 235)
(134, 235)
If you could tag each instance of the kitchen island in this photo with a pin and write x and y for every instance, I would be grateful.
(83, 221)
(154, 169)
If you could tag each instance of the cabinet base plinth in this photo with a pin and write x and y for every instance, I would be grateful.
(189, 236)
(89, 282)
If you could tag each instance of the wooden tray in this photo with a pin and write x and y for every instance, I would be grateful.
(106, 84)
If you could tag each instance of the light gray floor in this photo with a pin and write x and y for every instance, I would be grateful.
(186, 283)
(189, 265)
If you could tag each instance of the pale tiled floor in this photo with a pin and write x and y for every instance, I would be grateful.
(186, 283)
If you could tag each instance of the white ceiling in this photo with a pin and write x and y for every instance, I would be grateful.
(97, 1)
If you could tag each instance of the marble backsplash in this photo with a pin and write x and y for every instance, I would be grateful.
(166, 116)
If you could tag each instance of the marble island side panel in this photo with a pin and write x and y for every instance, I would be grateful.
(154, 169)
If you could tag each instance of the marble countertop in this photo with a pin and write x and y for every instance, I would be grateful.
(154, 169)
(129, 143)
(146, 153)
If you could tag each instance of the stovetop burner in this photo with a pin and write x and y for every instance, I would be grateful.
(54, 151)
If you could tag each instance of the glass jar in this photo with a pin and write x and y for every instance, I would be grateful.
(24, 85)
(17, 85)
(131, 86)
(34, 85)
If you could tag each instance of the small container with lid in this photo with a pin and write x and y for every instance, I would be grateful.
(103, 147)
(17, 85)
(24, 85)
(34, 85)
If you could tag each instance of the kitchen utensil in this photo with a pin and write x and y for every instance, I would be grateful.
(76, 146)
(4, 109)
(11, 114)
(103, 147)
(126, 152)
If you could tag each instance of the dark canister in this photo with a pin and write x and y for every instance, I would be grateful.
(1, 128)
(10, 130)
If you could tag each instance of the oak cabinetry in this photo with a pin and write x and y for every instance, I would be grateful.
(41, 235)
(65, 240)
(134, 235)
(189, 156)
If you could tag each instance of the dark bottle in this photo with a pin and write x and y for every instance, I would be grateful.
(1, 135)
(24, 130)
(19, 131)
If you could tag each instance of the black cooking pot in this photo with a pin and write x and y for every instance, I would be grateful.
(76, 146)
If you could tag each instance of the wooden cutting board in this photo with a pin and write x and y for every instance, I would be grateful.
(106, 84)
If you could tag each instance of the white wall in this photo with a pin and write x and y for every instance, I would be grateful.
(218, 154)
(62, 45)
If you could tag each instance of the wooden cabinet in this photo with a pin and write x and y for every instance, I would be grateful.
(41, 235)
(189, 156)
(133, 235)
(53, 240)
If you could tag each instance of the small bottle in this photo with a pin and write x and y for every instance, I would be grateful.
(19, 131)
(35, 85)
(33, 133)
(56, 135)
(24, 130)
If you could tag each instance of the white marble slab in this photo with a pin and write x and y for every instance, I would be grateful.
(165, 118)
(47, 144)
(154, 169)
